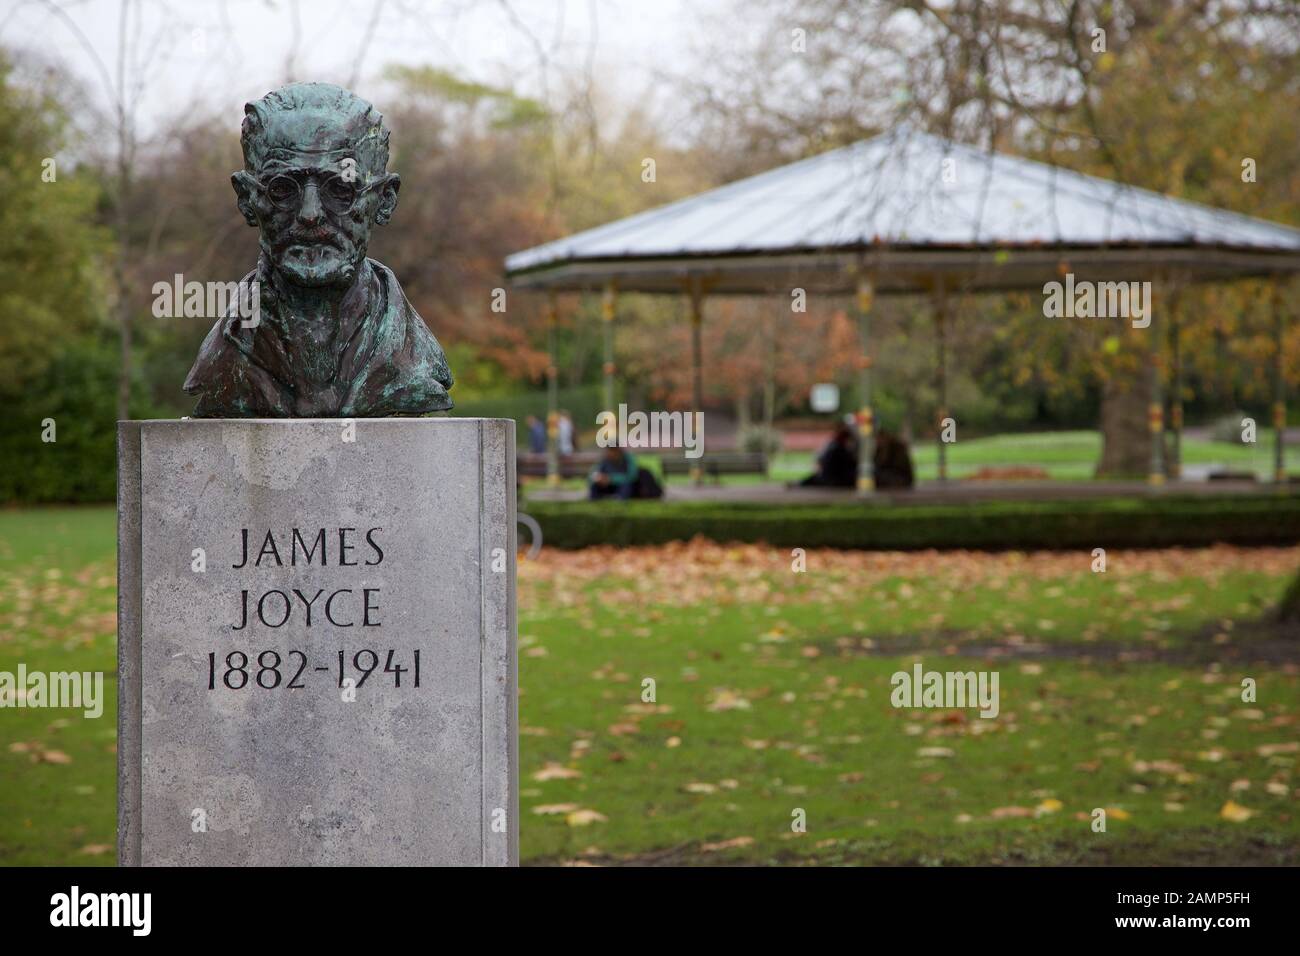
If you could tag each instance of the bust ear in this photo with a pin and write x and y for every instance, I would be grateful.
(388, 199)
(245, 192)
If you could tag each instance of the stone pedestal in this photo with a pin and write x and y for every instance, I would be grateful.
(316, 642)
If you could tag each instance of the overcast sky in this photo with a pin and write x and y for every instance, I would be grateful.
(223, 53)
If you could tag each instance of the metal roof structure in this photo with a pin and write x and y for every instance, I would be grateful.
(910, 208)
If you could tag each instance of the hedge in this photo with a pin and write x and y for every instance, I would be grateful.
(78, 393)
(1155, 521)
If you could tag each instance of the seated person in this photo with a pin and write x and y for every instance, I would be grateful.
(616, 476)
(837, 464)
(892, 462)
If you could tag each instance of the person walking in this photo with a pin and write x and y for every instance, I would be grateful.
(565, 426)
(536, 435)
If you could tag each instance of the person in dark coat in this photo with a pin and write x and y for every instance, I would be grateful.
(617, 476)
(536, 435)
(892, 462)
(837, 464)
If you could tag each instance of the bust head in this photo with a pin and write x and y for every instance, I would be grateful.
(315, 181)
(342, 339)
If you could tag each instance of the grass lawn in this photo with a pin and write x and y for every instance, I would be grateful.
(1119, 691)
(58, 612)
(1065, 456)
(1073, 455)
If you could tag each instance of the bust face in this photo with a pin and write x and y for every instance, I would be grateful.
(314, 181)
(315, 211)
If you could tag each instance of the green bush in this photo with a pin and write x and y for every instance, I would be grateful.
(78, 391)
(1113, 523)
(759, 438)
(1227, 428)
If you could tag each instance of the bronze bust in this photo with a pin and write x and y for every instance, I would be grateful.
(333, 334)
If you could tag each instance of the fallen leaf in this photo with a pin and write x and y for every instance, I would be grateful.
(583, 818)
(732, 844)
(936, 752)
(1235, 812)
(1002, 813)
(551, 808)
(555, 771)
(724, 699)
(1272, 750)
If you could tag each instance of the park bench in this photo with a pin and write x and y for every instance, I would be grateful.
(717, 463)
(532, 464)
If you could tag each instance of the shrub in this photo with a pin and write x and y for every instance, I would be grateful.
(1228, 427)
(1113, 523)
(78, 391)
(759, 438)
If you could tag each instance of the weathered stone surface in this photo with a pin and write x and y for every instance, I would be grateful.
(220, 769)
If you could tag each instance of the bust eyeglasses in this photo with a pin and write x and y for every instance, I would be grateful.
(337, 194)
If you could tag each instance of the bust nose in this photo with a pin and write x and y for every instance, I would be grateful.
(310, 211)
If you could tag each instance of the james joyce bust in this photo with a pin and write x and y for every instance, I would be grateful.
(333, 335)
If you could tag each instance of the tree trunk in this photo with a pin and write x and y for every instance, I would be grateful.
(1288, 609)
(743, 417)
(123, 309)
(1125, 436)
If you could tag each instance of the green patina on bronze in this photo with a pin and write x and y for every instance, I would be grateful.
(333, 335)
